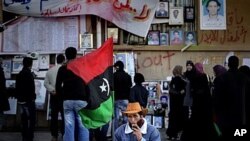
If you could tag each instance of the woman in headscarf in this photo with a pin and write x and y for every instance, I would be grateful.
(176, 94)
(201, 117)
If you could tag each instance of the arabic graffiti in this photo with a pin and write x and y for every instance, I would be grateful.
(9, 2)
(70, 8)
(236, 31)
(121, 7)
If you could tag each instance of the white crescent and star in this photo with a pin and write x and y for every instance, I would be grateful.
(105, 86)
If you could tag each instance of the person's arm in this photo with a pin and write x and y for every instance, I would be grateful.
(47, 83)
(59, 80)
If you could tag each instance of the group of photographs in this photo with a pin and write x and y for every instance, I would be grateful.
(173, 37)
(157, 103)
(176, 13)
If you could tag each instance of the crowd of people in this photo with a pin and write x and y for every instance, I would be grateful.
(198, 106)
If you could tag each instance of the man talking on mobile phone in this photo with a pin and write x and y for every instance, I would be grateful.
(137, 128)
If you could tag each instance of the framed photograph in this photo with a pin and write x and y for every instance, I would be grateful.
(164, 100)
(190, 38)
(158, 121)
(153, 37)
(17, 65)
(213, 15)
(86, 40)
(165, 86)
(6, 64)
(10, 84)
(176, 16)
(114, 32)
(149, 119)
(189, 14)
(164, 39)
(162, 10)
(176, 37)
(43, 61)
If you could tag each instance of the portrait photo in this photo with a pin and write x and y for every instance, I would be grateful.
(162, 10)
(176, 16)
(165, 85)
(86, 40)
(190, 38)
(17, 65)
(6, 64)
(158, 121)
(213, 14)
(149, 119)
(176, 37)
(164, 39)
(114, 32)
(153, 37)
(43, 61)
(40, 91)
(189, 14)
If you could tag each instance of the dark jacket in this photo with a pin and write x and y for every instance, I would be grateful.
(4, 103)
(230, 95)
(25, 86)
(69, 86)
(122, 85)
(138, 93)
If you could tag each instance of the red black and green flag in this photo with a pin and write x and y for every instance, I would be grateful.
(96, 70)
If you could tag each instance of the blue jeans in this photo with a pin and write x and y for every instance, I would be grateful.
(72, 119)
(120, 106)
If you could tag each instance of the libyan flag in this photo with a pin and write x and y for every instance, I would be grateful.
(96, 70)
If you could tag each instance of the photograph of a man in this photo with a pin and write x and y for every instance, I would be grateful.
(213, 14)
(176, 37)
(162, 11)
(176, 16)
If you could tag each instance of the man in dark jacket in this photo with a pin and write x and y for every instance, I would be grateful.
(26, 96)
(4, 103)
(122, 85)
(73, 91)
(230, 99)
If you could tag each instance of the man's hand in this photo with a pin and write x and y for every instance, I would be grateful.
(137, 132)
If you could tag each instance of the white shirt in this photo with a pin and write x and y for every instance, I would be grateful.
(218, 21)
(50, 78)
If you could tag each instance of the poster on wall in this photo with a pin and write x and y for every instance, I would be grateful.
(7, 68)
(213, 14)
(40, 94)
(43, 61)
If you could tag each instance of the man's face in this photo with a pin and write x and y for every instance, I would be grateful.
(176, 13)
(133, 118)
(176, 34)
(190, 37)
(162, 6)
(212, 8)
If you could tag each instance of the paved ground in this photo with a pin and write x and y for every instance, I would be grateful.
(45, 136)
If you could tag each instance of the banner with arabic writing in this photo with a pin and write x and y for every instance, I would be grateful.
(134, 16)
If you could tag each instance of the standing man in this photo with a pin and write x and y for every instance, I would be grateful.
(56, 102)
(25, 86)
(122, 85)
(230, 94)
(73, 92)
